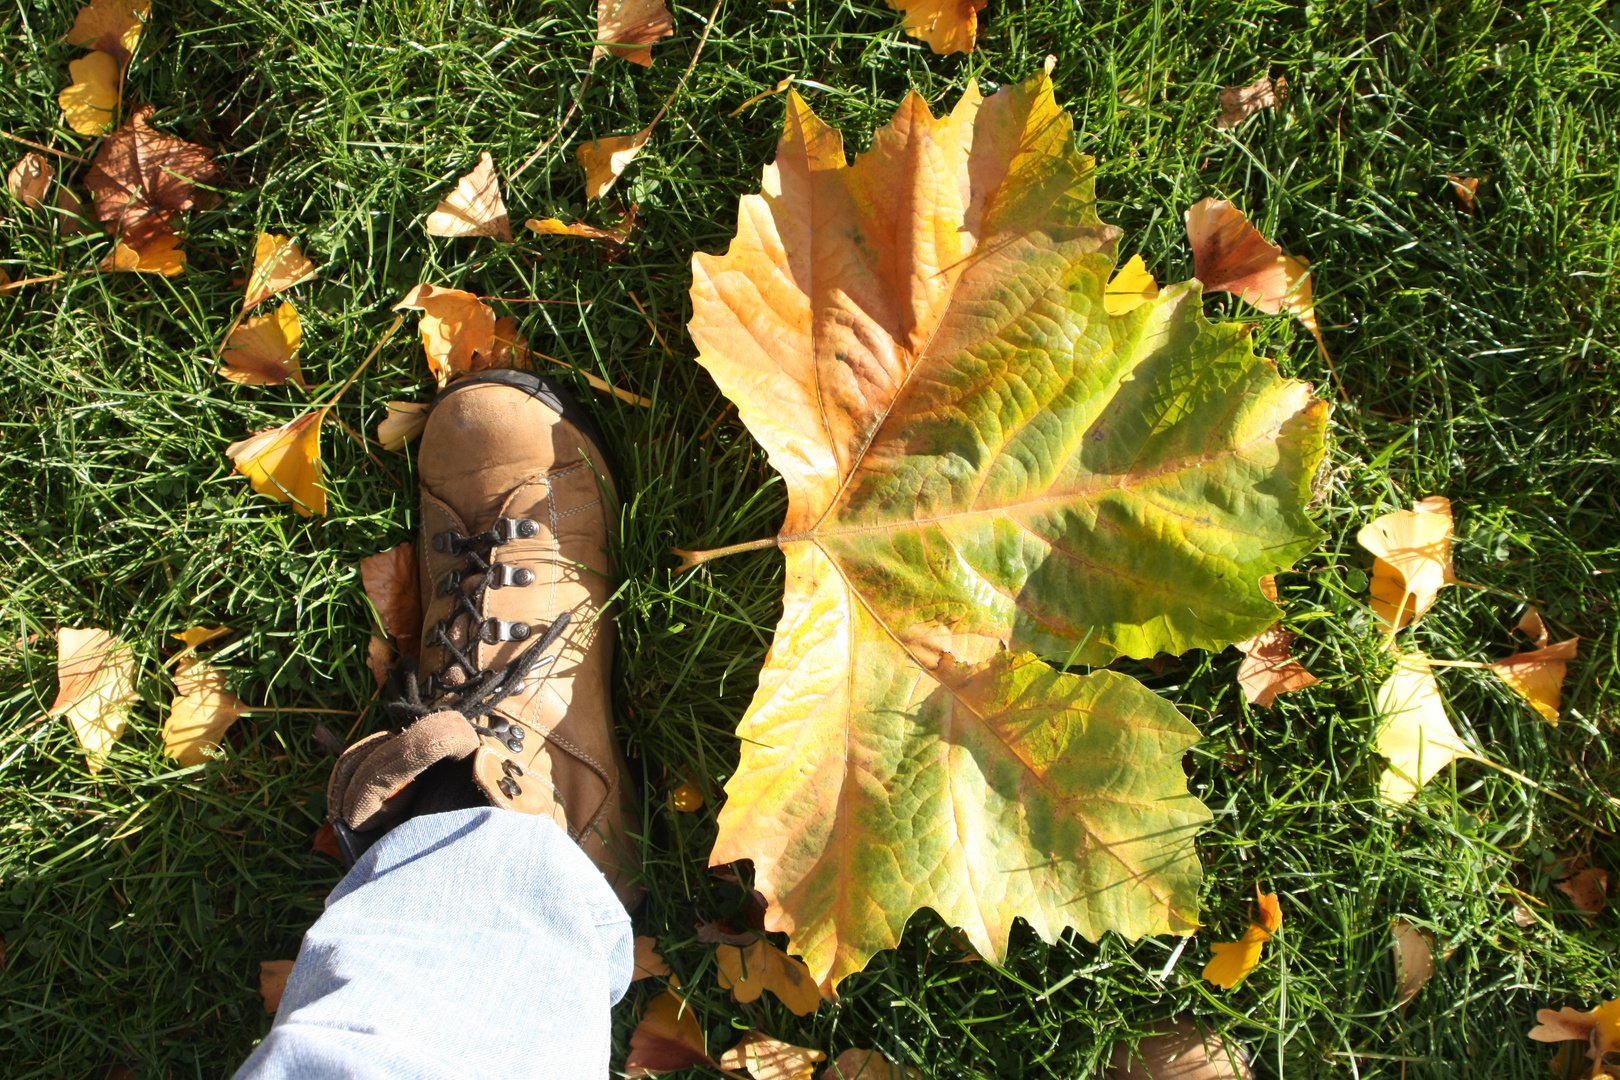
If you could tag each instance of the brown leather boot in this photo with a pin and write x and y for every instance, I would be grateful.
(509, 704)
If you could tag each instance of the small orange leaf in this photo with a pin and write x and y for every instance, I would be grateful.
(1599, 1029)
(158, 254)
(1412, 550)
(273, 982)
(326, 842)
(285, 463)
(193, 636)
(1586, 886)
(686, 798)
(379, 658)
(1538, 676)
(748, 972)
(404, 422)
(1230, 255)
(278, 264)
(1238, 103)
(202, 711)
(262, 351)
(1235, 959)
(1533, 627)
(1465, 188)
(667, 1039)
(628, 28)
(605, 159)
(1270, 910)
(456, 327)
(1269, 667)
(95, 675)
(29, 179)
(765, 1058)
(1184, 1051)
(112, 26)
(89, 102)
(392, 583)
(649, 964)
(475, 207)
(949, 26)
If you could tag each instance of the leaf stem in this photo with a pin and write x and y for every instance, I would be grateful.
(692, 559)
(375, 349)
(599, 383)
(46, 149)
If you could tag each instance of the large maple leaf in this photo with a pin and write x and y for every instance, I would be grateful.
(984, 469)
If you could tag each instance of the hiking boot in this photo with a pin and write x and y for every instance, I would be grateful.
(509, 702)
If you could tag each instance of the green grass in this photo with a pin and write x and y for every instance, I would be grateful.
(1477, 354)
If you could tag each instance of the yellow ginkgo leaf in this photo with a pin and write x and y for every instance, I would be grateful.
(765, 1058)
(404, 422)
(277, 264)
(605, 159)
(95, 676)
(159, 255)
(748, 972)
(628, 28)
(261, 352)
(1235, 959)
(200, 635)
(89, 103)
(475, 207)
(456, 327)
(204, 709)
(650, 965)
(1131, 287)
(1538, 676)
(557, 227)
(285, 463)
(1413, 558)
(1414, 732)
(112, 26)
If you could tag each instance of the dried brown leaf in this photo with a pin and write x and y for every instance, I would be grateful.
(668, 1038)
(748, 972)
(29, 179)
(1184, 1052)
(1414, 959)
(1269, 667)
(1238, 103)
(379, 658)
(1587, 887)
(273, 982)
(143, 180)
(392, 583)
(1465, 188)
(628, 28)
(649, 965)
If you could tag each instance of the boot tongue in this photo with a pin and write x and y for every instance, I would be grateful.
(483, 440)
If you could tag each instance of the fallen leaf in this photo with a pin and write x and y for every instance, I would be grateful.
(1238, 103)
(1533, 627)
(1414, 959)
(278, 264)
(328, 741)
(160, 254)
(143, 180)
(628, 28)
(1465, 188)
(605, 159)
(404, 422)
(1599, 1029)
(262, 351)
(749, 971)
(1185, 1052)
(203, 710)
(724, 932)
(285, 463)
(1269, 667)
(1233, 960)
(1586, 886)
(392, 584)
(379, 658)
(511, 348)
(555, 227)
(1230, 255)
(649, 965)
(949, 26)
(1414, 732)
(70, 211)
(1523, 917)
(456, 327)
(273, 982)
(1298, 301)
(1270, 910)
(1412, 563)
(1538, 676)
(668, 1038)
(475, 207)
(90, 101)
(112, 26)
(1131, 287)
(909, 745)
(766, 1058)
(326, 842)
(95, 675)
(29, 179)
(686, 798)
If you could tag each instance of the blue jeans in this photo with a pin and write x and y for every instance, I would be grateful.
(480, 944)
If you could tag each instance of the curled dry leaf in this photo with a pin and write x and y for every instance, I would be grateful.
(143, 180)
(203, 710)
(949, 26)
(404, 422)
(69, 211)
(511, 348)
(1412, 558)
(1230, 255)
(605, 159)
(1586, 886)
(1232, 961)
(686, 798)
(1464, 188)
(326, 842)
(1184, 1052)
(556, 227)
(1533, 627)
(90, 101)
(1538, 676)
(278, 264)
(649, 965)
(193, 636)
(29, 179)
(95, 675)
(1269, 667)
(749, 971)
(475, 207)
(1131, 287)
(263, 350)
(628, 28)
(1414, 732)
(1238, 103)
(456, 328)
(112, 26)
(781, 85)
(1599, 1029)
(1414, 959)
(392, 583)
(379, 658)
(273, 982)
(765, 1058)
(285, 463)
(668, 1038)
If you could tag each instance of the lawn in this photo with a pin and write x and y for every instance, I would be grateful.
(1476, 353)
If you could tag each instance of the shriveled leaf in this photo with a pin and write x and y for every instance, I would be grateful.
(1532, 626)
(404, 422)
(604, 160)
(1414, 959)
(628, 28)
(983, 468)
(1599, 1029)
(1412, 558)
(326, 842)
(1270, 910)
(668, 1038)
(855, 1064)
(90, 102)
(456, 327)
(112, 26)
(1464, 188)
(749, 971)
(649, 965)
(285, 463)
(379, 658)
(475, 207)
(765, 1058)
(278, 264)
(1233, 960)
(1131, 287)
(781, 85)
(1586, 886)
(1230, 255)
(949, 26)
(69, 211)
(392, 582)
(143, 180)
(273, 976)
(1269, 667)
(29, 179)
(95, 675)
(1414, 732)
(1538, 676)
(556, 227)
(156, 254)
(203, 710)
(262, 351)
(1184, 1052)
(1238, 103)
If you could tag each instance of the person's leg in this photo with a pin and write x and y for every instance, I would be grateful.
(479, 944)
